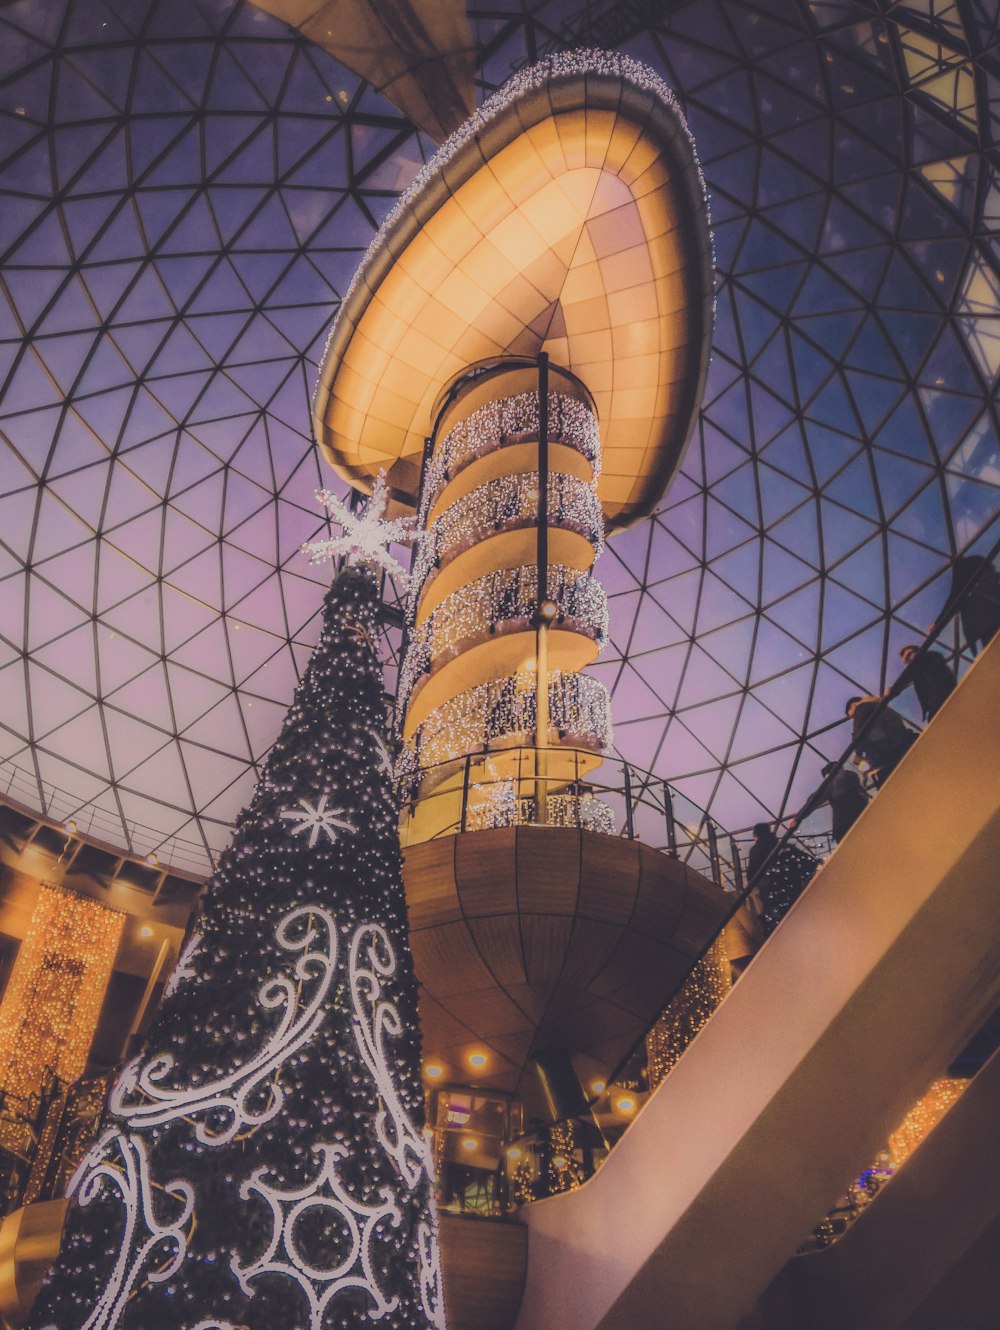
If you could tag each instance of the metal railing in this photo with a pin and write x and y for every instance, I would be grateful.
(22, 791)
(614, 797)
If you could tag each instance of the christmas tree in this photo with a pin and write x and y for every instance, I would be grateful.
(263, 1163)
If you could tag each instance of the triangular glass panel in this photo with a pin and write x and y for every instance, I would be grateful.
(240, 151)
(172, 76)
(775, 651)
(783, 571)
(863, 572)
(121, 659)
(874, 397)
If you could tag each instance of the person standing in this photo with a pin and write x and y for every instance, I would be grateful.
(883, 742)
(845, 795)
(778, 880)
(930, 676)
(975, 597)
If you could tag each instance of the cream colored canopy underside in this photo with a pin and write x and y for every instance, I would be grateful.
(574, 239)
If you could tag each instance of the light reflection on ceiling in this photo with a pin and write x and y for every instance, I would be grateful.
(188, 188)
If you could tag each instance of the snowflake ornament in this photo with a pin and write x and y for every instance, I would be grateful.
(367, 535)
(316, 818)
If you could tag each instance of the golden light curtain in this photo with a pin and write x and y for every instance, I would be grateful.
(53, 1000)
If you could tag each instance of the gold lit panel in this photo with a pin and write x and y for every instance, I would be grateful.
(584, 235)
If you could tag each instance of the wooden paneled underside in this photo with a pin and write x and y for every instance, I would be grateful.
(530, 938)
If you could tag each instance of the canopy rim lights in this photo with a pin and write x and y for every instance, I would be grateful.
(568, 215)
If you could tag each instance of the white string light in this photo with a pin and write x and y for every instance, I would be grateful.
(119, 1162)
(505, 504)
(507, 420)
(503, 710)
(373, 960)
(354, 1220)
(501, 601)
(141, 1098)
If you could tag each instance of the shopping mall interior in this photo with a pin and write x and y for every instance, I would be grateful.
(661, 340)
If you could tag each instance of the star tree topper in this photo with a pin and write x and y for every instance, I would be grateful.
(367, 535)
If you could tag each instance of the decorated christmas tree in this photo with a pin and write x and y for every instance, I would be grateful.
(263, 1163)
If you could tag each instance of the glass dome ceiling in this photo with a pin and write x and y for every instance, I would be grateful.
(187, 189)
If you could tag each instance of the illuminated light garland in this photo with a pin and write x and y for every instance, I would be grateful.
(563, 1172)
(703, 991)
(50, 1010)
(119, 1162)
(504, 421)
(500, 601)
(506, 503)
(923, 1117)
(375, 1018)
(504, 709)
(366, 535)
(502, 808)
(918, 1123)
(492, 805)
(564, 64)
(282, 1255)
(579, 810)
(142, 1100)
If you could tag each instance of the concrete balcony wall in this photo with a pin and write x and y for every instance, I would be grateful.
(912, 1258)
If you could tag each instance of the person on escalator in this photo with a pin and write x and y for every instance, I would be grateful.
(778, 880)
(845, 796)
(931, 677)
(885, 742)
(975, 597)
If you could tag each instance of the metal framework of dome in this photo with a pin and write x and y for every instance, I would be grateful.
(187, 191)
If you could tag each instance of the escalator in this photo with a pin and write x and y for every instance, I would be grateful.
(878, 976)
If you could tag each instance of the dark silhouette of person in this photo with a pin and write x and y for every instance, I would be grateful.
(979, 611)
(778, 879)
(930, 676)
(886, 742)
(846, 796)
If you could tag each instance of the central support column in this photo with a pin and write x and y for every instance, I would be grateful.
(503, 608)
(541, 619)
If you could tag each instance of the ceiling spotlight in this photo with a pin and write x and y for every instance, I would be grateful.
(513, 1152)
(477, 1060)
(470, 1143)
(145, 931)
(625, 1105)
(548, 610)
(433, 1071)
(598, 1087)
(70, 826)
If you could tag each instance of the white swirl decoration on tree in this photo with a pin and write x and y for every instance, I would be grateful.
(119, 1163)
(429, 1262)
(356, 1225)
(143, 1096)
(372, 960)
